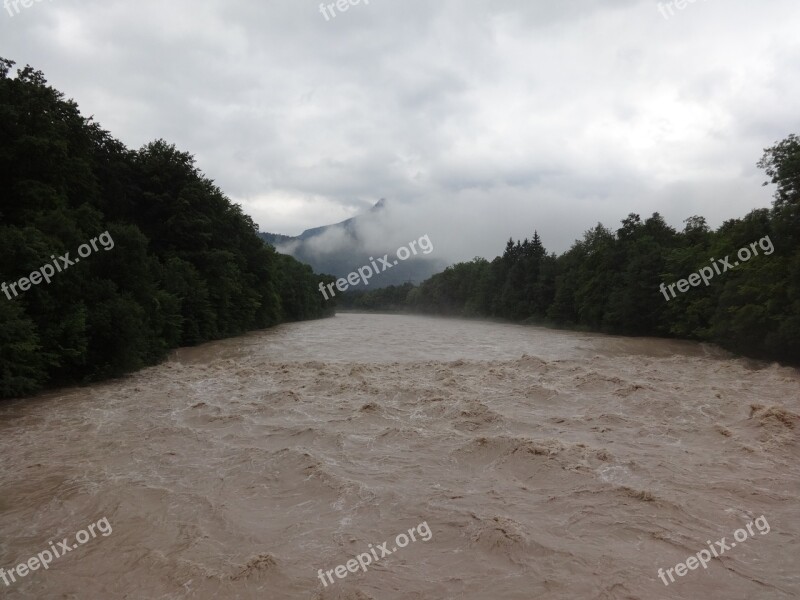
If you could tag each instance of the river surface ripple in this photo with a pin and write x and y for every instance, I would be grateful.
(547, 464)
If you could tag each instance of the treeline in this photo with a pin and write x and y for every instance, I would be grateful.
(389, 298)
(187, 266)
(609, 281)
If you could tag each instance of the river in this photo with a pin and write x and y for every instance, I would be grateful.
(543, 464)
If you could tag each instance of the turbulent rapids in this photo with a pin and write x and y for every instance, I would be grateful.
(547, 464)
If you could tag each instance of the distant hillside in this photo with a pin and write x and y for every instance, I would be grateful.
(341, 248)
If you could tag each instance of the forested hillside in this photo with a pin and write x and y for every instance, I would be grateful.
(610, 281)
(180, 263)
(341, 248)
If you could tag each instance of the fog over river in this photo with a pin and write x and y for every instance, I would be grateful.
(546, 465)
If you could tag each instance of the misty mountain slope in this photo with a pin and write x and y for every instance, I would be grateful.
(342, 248)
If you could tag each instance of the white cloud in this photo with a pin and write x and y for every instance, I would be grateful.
(478, 119)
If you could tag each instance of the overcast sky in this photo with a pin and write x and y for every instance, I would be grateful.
(477, 119)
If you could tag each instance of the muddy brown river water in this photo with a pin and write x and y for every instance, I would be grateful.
(545, 465)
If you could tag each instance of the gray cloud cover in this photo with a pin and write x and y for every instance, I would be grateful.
(477, 119)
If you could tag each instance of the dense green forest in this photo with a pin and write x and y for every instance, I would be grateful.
(178, 263)
(611, 281)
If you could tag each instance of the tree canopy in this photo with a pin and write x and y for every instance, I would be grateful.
(609, 281)
(187, 265)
